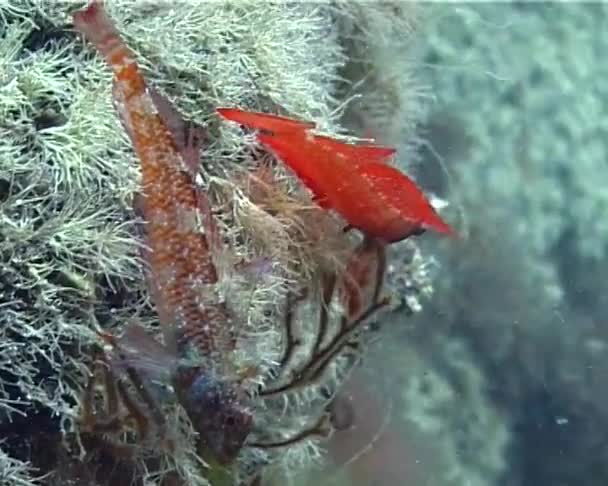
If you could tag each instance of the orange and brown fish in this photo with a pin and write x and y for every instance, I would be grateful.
(182, 238)
(352, 179)
(174, 209)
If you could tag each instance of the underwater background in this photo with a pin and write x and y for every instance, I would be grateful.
(492, 369)
(502, 378)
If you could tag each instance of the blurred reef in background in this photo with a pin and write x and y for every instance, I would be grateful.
(515, 336)
(502, 379)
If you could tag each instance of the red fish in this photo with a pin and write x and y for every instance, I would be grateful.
(352, 179)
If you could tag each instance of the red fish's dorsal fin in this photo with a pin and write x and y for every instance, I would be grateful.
(357, 152)
(401, 193)
(263, 121)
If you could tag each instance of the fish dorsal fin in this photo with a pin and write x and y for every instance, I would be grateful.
(274, 124)
(358, 153)
(188, 136)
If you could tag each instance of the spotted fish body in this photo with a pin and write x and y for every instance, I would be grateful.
(182, 241)
(177, 215)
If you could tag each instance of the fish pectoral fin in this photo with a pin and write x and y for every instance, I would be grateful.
(187, 135)
(321, 201)
(138, 350)
(138, 204)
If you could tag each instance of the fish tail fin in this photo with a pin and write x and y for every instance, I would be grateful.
(95, 24)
